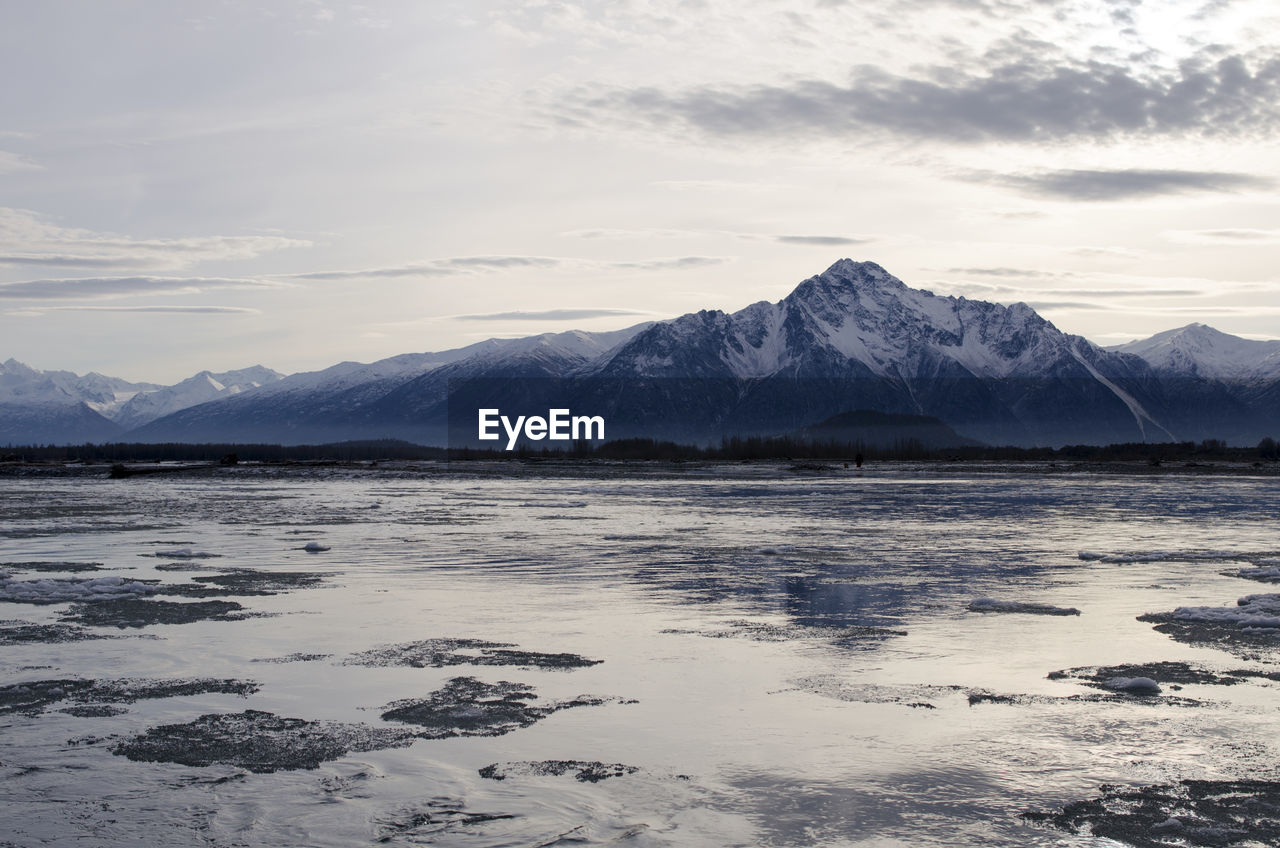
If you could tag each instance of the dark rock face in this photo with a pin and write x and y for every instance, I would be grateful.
(258, 741)
(469, 707)
(1192, 812)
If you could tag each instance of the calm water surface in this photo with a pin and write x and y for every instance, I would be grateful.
(786, 659)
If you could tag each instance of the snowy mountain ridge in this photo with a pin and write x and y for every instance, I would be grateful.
(852, 337)
(118, 401)
(863, 314)
(1200, 350)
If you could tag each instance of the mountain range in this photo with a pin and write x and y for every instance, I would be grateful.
(852, 337)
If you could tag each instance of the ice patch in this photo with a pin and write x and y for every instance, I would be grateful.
(992, 605)
(1269, 574)
(1252, 612)
(57, 591)
(1164, 556)
(1133, 685)
(184, 553)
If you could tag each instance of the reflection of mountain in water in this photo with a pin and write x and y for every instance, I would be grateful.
(819, 603)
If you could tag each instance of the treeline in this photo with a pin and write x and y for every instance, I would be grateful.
(736, 448)
(788, 448)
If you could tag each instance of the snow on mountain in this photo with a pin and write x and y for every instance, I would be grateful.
(20, 383)
(147, 406)
(47, 406)
(1198, 350)
(858, 314)
(398, 397)
(1002, 371)
(852, 337)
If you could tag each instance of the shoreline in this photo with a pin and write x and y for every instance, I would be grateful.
(657, 469)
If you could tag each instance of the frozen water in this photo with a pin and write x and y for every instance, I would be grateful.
(184, 553)
(1134, 685)
(56, 591)
(993, 605)
(769, 658)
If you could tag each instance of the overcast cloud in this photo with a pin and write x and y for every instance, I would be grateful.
(1025, 100)
(305, 182)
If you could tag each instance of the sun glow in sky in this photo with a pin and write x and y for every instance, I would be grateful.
(189, 186)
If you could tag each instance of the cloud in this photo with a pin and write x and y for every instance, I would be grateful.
(1121, 184)
(674, 263)
(11, 163)
(1026, 97)
(1236, 237)
(28, 238)
(1127, 292)
(551, 315)
(721, 185)
(816, 240)
(823, 241)
(1052, 305)
(653, 232)
(1000, 272)
(478, 264)
(192, 310)
(1105, 252)
(100, 287)
(437, 267)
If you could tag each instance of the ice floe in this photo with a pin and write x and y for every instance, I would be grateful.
(52, 590)
(1163, 556)
(1192, 812)
(582, 771)
(1252, 612)
(466, 706)
(1133, 685)
(184, 553)
(258, 741)
(993, 605)
(439, 653)
(1263, 573)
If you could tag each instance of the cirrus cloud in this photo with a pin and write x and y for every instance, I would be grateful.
(107, 287)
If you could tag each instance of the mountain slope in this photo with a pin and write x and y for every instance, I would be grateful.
(147, 406)
(855, 336)
(402, 397)
(1197, 350)
(852, 337)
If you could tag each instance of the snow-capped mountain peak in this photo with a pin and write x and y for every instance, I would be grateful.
(1198, 350)
(199, 388)
(858, 314)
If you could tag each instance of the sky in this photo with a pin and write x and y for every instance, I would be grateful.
(217, 184)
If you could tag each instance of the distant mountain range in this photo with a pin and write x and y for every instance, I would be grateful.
(55, 407)
(851, 338)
